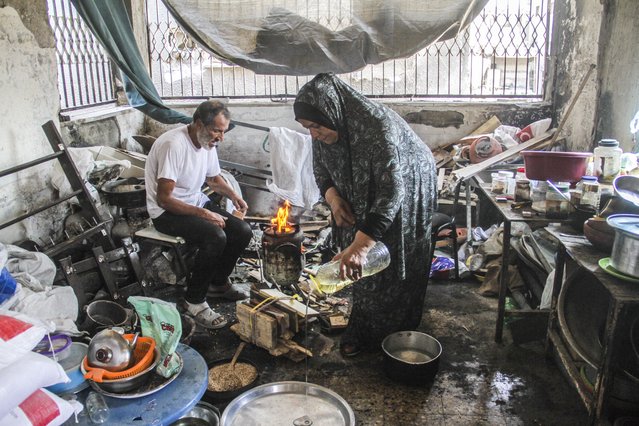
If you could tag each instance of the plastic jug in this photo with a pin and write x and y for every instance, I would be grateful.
(328, 281)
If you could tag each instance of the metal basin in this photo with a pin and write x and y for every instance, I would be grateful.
(411, 357)
(129, 383)
(288, 403)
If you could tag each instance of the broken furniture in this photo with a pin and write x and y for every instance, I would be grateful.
(104, 263)
(596, 337)
(270, 319)
(176, 244)
(96, 226)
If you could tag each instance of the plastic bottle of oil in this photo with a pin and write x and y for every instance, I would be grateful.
(327, 277)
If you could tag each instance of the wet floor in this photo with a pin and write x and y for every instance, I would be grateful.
(479, 381)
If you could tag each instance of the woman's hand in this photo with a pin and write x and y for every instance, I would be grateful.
(353, 257)
(340, 208)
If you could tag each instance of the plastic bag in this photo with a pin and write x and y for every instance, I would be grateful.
(161, 321)
(441, 267)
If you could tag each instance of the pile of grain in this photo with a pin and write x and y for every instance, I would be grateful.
(223, 378)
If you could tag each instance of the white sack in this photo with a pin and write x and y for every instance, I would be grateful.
(292, 164)
(21, 378)
(41, 408)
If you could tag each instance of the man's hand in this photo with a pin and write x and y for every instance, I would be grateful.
(212, 217)
(239, 204)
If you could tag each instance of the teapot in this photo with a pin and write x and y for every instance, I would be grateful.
(110, 350)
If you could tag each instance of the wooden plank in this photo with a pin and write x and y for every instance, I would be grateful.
(473, 169)
(293, 304)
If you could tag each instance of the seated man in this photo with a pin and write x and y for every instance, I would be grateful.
(179, 162)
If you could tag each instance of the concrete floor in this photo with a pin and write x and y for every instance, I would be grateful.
(479, 382)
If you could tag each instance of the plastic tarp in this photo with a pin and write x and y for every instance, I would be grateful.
(293, 37)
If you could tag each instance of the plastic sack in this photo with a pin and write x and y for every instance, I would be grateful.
(441, 267)
(41, 408)
(7, 285)
(161, 321)
(19, 334)
(21, 378)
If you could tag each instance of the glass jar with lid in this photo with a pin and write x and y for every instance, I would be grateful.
(608, 160)
(538, 195)
(590, 192)
(557, 204)
(499, 184)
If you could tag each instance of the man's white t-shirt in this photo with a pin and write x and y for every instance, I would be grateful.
(173, 156)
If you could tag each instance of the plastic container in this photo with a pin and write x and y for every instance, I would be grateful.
(607, 160)
(555, 166)
(328, 281)
(7, 285)
(557, 204)
(510, 182)
(97, 408)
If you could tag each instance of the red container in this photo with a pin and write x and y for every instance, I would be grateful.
(555, 166)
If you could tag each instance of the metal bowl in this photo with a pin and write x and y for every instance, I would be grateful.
(411, 357)
(627, 187)
(202, 414)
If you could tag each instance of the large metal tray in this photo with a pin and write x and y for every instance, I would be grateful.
(287, 403)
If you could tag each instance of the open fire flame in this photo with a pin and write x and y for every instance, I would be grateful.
(280, 221)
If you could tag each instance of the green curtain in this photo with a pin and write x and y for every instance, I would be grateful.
(109, 22)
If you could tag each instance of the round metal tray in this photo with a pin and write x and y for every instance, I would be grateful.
(154, 384)
(303, 402)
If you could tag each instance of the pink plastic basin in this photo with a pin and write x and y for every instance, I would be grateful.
(555, 166)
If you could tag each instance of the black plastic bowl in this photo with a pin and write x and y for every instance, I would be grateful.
(411, 357)
(213, 397)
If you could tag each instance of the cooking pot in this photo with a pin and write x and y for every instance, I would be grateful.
(125, 193)
(103, 313)
(411, 357)
(623, 257)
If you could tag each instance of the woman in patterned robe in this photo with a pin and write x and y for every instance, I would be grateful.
(379, 179)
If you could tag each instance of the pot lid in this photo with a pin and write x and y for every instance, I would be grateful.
(289, 403)
(77, 352)
(625, 222)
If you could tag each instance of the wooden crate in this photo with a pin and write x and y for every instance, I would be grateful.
(257, 327)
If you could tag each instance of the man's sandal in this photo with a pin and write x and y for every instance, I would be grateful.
(208, 318)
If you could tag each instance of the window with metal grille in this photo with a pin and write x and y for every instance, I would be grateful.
(502, 54)
(85, 76)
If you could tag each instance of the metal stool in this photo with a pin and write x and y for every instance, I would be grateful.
(153, 236)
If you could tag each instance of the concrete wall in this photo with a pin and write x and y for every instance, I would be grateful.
(619, 72)
(29, 92)
(576, 29)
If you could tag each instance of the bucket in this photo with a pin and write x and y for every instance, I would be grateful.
(7, 285)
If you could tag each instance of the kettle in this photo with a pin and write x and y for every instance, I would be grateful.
(110, 350)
